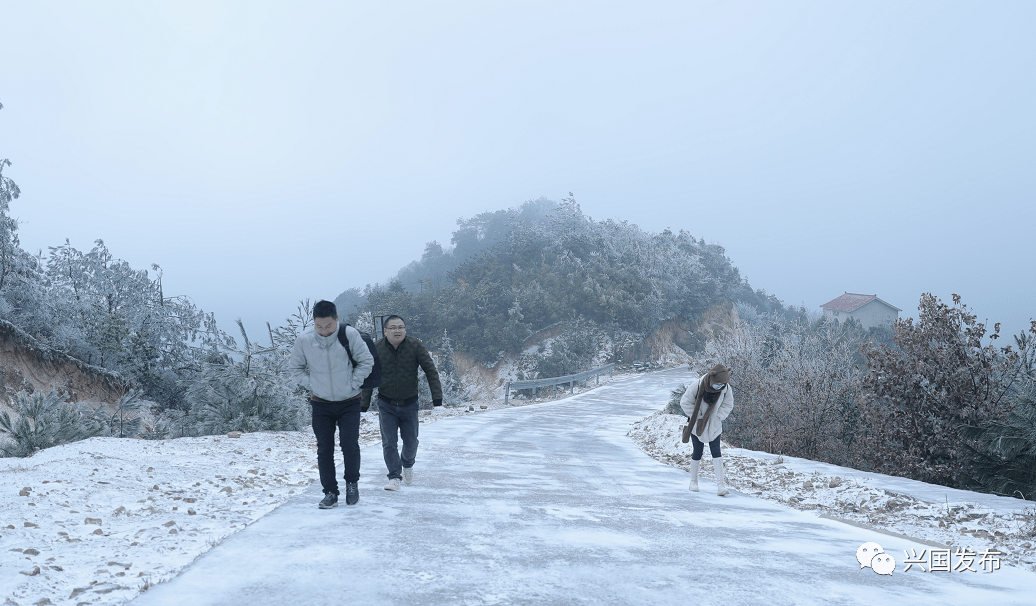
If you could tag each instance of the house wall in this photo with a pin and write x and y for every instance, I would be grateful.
(872, 314)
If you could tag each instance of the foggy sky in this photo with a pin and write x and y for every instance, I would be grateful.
(263, 152)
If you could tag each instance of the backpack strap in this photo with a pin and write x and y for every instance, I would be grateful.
(343, 338)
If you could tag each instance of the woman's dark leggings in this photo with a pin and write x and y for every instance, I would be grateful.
(699, 448)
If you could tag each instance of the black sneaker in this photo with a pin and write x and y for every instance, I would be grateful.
(352, 493)
(330, 500)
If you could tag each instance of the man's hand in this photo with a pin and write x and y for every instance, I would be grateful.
(437, 402)
(365, 399)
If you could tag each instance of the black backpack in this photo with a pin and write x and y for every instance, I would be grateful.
(374, 379)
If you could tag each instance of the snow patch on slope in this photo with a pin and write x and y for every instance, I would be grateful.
(927, 513)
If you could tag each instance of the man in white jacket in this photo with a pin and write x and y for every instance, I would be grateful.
(321, 364)
(706, 402)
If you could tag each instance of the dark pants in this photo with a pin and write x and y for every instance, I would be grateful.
(345, 416)
(699, 448)
(398, 421)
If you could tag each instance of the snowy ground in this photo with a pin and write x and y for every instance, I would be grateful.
(930, 514)
(98, 522)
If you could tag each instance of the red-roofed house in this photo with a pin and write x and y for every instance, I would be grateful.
(868, 310)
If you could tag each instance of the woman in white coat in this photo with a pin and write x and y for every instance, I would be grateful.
(706, 403)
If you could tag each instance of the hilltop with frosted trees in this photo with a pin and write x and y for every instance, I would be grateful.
(545, 265)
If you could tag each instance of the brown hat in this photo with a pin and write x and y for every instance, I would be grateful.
(720, 374)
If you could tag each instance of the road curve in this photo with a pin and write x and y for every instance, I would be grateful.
(553, 504)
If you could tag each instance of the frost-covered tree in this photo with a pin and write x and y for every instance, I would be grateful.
(299, 322)
(559, 265)
(796, 385)
(673, 406)
(447, 367)
(516, 331)
(938, 377)
(245, 389)
(39, 421)
(350, 302)
(8, 225)
(1003, 453)
(123, 419)
(20, 288)
(99, 310)
(424, 393)
(365, 323)
(574, 350)
(120, 318)
(9, 248)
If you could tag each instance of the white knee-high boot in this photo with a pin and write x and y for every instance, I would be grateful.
(695, 466)
(721, 478)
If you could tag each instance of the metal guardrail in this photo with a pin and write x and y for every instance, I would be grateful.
(553, 382)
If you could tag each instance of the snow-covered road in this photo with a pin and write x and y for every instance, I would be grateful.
(553, 504)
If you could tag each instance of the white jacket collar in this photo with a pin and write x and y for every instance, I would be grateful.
(328, 341)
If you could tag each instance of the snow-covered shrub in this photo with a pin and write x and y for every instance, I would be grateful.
(238, 396)
(749, 314)
(673, 406)
(938, 377)
(123, 420)
(167, 423)
(572, 351)
(365, 323)
(446, 364)
(1003, 455)
(41, 421)
(796, 388)
(250, 391)
(424, 393)
(150, 415)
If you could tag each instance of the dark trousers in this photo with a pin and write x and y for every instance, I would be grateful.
(699, 448)
(398, 421)
(345, 416)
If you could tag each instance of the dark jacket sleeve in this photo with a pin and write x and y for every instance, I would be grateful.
(431, 373)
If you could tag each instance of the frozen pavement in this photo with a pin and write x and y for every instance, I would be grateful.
(553, 504)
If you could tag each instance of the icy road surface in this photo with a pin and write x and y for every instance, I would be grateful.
(553, 504)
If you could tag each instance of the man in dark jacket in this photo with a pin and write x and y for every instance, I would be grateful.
(397, 398)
